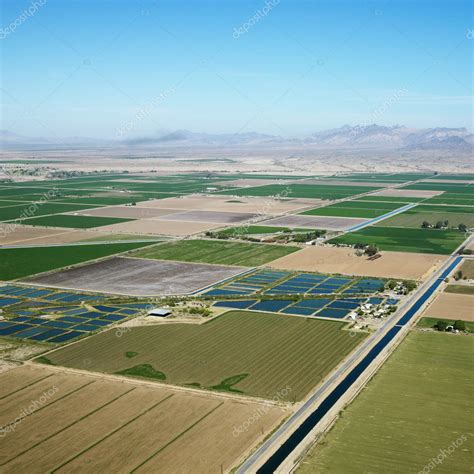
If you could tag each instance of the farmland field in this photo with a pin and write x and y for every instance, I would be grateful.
(314, 191)
(216, 251)
(460, 289)
(414, 217)
(99, 425)
(407, 414)
(25, 210)
(73, 222)
(451, 306)
(405, 239)
(251, 353)
(467, 269)
(432, 322)
(22, 262)
(355, 209)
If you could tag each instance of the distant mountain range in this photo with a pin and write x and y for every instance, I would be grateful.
(347, 137)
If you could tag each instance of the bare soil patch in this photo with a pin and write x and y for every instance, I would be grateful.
(255, 205)
(132, 212)
(37, 235)
(345, 261)
(138, 277)
(159, 226)
(211, 216)
(451, 306)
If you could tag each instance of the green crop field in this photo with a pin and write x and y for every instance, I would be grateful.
(452, 199)
(22, 262)
(355, 209)
(416, 216)
(400, 199)
(256, 354)
(25, 210)
(218, 252)
(405, 239)
(314, 191)
(73, 222)
(418, 404)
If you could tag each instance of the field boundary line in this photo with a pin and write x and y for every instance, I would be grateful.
(53, 402)
(177, 437)
(26, 386)
(53, 470)
(70, 425)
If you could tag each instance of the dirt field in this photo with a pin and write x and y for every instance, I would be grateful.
(36, 235)
(314, 222)
(216, 203)
(344, 260)
(451, 306)
(417, 193)
(117, 425)
(138, 277)
(211, 216)
(132, 212)
(158, 226)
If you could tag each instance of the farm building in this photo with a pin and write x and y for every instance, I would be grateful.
(159, 312)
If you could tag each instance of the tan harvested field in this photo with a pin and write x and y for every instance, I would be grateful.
(451, 306)
(132, 212)
(238, 183)
(416, 193)
(37, 235)
(344, 260)
(157, 226)
(467, 269)
(256, 205)
(118, 425)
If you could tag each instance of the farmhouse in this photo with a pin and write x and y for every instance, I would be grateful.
(159, 312)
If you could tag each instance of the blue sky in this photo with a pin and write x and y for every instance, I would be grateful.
(130, 68)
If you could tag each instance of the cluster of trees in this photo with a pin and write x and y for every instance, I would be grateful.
(458, 325)
(443, 225)
(285, 236)
(369, 250)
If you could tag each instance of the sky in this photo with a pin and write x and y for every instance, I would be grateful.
(132, 68)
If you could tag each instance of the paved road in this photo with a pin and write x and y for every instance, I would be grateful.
(287, 438)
